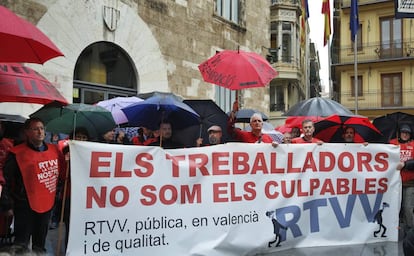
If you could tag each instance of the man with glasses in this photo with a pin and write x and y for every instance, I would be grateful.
(308, 130)
(31, 172)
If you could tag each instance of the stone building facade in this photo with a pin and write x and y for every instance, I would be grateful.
(161, 43)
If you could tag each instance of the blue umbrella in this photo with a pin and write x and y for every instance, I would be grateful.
(164, 107)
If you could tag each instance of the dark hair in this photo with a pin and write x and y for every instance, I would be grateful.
(346, 128)
(29, 121)
(79, 130)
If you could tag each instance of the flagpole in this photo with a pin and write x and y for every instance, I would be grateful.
(329, 56)
(354, 26)
(307, 69)
(329, 71)
(326, 11)
(356, 73)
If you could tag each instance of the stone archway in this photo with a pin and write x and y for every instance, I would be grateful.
(74, 24)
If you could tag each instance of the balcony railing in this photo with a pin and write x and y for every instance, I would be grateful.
(277, 106)
(284, 61)
(286, 2)
(347, 3)
(397, 50)
(375, 99)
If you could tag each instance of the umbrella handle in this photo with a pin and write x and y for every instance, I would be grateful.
(236, 105)
(74, 124)
(201, 129)
(162, 119)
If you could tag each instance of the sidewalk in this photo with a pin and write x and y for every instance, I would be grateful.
(382, 249)
(375, 249)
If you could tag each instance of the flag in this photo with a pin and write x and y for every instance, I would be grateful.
(305, 9)
(326, 10)
(354, 20)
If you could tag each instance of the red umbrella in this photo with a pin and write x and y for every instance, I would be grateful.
(283, 128)
(21, 41)
(330, 129)
(19, 83)
(237, 70)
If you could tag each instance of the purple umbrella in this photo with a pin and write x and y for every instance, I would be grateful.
(115, 105)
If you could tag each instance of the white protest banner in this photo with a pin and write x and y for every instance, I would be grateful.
(232, 199)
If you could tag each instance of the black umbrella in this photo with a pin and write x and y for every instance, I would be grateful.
(210, 114)
(243, 115)
(318, 107)
(13, 125)
(12, 118)
(147, 95)
(389, 124)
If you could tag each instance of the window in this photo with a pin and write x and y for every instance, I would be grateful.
(391, 90)
(277, 99)
(103, 71)
(391, 38)
(359, 78)
(228, 9)
(225, 98)
(287, 42)
(273, 51)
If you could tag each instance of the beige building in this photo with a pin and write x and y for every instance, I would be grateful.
(293, 56)
(385, 59)
(124, 47)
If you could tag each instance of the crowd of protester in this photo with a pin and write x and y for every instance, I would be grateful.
(35, 209)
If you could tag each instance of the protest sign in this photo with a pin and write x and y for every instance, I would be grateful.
(231, 199)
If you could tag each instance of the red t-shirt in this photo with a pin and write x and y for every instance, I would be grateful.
(406, 153)
(245, 136)
(299, 140)
(249, 137)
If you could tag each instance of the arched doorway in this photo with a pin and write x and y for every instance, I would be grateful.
(103, 71)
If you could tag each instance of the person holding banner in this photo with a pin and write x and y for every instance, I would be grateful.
(287, 138)
(112, 137)
(215, 135)
(31, 172)
(254, 136)
(348, 135)
(144, 134)
(165, 139)
(406, 144)
(308, 130)
(80, 134)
